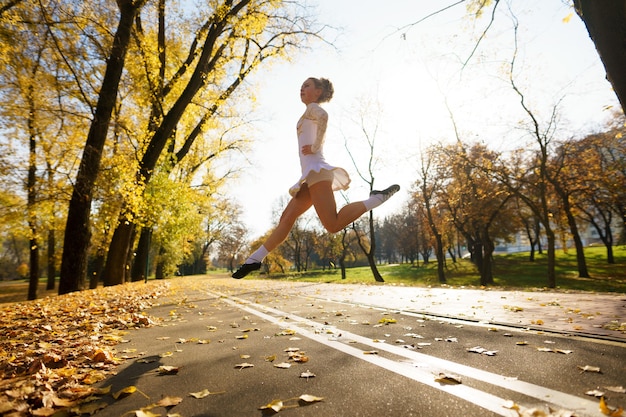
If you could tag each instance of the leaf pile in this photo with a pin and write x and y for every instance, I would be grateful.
(53, 349)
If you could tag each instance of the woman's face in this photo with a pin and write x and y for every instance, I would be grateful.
(309, 93)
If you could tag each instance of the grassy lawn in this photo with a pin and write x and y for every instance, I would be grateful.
(511, 271)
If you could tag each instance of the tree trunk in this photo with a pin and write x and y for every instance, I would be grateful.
(31, 191)
(441, 259)
(51, 259)
(114, 269)
(551, 257)
(77, 229)
(139, 271)
(606, 24)
(578, 243)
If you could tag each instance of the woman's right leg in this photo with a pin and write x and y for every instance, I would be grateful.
(295, 208)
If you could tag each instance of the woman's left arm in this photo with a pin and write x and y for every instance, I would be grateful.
(321, 117)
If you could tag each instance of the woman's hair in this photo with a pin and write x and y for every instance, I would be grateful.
(327, 89)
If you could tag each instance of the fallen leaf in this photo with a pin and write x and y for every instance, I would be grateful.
(620, 389)
(595, 393)
(588, 368)
(169, 401)
(125, 392)
(443, 378)
(168, 370)
(482, 351)
(610, 411)
(307, 374)
(310, 398)
(275, 406)
(205, 393)
(283, 365)
(244, 365)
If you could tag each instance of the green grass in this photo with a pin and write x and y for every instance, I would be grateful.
(511, 271)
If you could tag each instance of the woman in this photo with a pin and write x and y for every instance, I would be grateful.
(318, 181)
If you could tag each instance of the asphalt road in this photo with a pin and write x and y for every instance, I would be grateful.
(250, 343)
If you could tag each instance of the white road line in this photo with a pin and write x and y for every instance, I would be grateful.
(581, 406)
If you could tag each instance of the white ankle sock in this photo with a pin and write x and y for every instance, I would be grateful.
(373, 202)
(257, 256)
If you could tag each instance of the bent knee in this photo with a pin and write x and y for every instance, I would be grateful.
(332, 228)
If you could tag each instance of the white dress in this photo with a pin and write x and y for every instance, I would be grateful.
(311, 131)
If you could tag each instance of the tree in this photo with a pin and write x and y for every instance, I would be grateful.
(475, 201)
(368, 122)
(77, 229)
(606, 24)
(428, 188)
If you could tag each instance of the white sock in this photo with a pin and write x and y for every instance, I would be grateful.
(373, 202)
(257, 256)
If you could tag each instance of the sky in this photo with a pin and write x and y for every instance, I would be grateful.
(409, 80)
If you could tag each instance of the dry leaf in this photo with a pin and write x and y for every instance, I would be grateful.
(482, 351)
(307, 374)
(610, 411)
(168, 370)
(283, 365)
(275, 406)
(244, 365)
(588, 368)
(443, 378)
(205, 393)
(125, 392)
(310, 398)
(620, 389)
(595, 393)
(169, 401)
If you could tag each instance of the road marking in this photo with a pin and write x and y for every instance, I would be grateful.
(581, 406)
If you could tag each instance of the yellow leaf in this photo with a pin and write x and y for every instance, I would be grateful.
(608, 411)
(125, 392)
(567, 18)
(275, 405)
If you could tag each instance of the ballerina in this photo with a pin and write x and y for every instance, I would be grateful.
(319, 179)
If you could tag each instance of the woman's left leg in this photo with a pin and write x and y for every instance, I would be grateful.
(323, 200)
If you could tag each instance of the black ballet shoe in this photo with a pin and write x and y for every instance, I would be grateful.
(245, 269)
(386, 193)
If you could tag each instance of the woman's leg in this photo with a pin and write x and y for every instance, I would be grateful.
(323, 200)
(295, 208)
